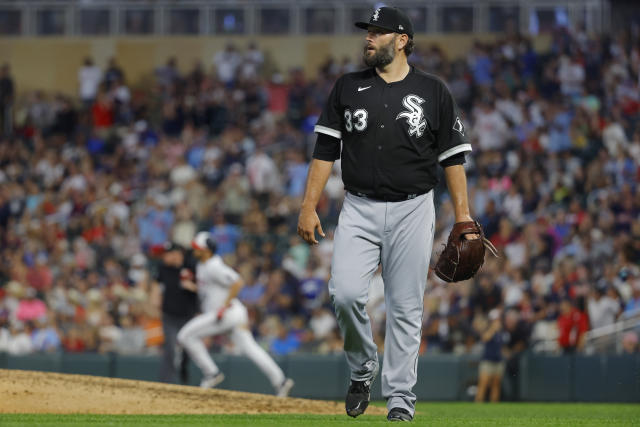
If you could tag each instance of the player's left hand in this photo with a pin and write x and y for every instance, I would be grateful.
(462, 257)
(468, 236)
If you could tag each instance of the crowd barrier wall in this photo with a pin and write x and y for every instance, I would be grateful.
(574, 378)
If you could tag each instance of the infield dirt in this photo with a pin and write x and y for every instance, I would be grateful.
(44, 392)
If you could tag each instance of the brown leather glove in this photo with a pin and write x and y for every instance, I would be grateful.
(463, 257)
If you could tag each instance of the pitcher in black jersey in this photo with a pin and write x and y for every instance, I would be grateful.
(391, 125)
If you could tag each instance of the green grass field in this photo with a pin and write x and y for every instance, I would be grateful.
(429, 414)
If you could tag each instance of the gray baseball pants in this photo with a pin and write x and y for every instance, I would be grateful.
(399, 235)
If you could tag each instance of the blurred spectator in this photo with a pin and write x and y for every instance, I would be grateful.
(44, 337)
(263, 175)
(491, 368)
(39, 276)
(490, 127)
(132, 337)
(89, 79)
(630, 343)
(296, 173)
(278, 95)
(31, 308)
(633, 306)
(227, 62)
(156, 223)
(311, 291)
(226, 235)
(138, 272)
(286, 342)
(108, 333)
(7, 93)
(517, 338)
(236, 199)
(102, 113)
(481, 65)
(252, 62)
(487, 295)
(168, 74)
(18, 341)
(322, 324)
(184, 227)
(572, 325)
(4, 334)
(603, 310)
(571, 75)
(74, 341)
(113, 74)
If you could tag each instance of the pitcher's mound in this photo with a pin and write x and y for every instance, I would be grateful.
(44, 392)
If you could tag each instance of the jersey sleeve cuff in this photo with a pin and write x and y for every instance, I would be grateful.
(453, 151)
(327, 157)
(327, 131)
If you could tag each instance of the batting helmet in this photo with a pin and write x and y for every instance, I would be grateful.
(203, 240)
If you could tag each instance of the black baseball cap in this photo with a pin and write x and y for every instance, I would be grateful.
(171, 246)
(391, 19)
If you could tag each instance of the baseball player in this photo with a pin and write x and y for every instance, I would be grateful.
(396, 124)
(217, 287)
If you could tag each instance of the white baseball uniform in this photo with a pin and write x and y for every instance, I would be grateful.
(214, 278)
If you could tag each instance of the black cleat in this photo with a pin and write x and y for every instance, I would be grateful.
(357, 398)
(399, 414)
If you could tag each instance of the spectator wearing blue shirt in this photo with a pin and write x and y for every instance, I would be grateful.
(559, 136)
(297, 170)
(226, 235)
(491, 368)
(155, 225)
(312, 292)
(285, 343)
(633, 305)
(481, 65)
(252, 293)
(44, 337)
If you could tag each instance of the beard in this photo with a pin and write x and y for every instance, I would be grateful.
(381, 56)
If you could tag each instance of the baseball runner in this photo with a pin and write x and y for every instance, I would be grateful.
(396, 125)
(217, 287)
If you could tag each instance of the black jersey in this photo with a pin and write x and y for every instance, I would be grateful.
(393, 134)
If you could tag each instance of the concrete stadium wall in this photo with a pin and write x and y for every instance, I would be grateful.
(601, 378)
(52, 63)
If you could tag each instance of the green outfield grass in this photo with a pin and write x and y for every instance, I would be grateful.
(429, 414)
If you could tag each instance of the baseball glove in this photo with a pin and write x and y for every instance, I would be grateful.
(461, 257)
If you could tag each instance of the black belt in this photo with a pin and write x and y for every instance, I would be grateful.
(386, 197)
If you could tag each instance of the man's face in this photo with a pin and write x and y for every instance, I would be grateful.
(629, 346)
(174, 258)
(511, 320)
(565, 307)
(201, 254)
(379, 50)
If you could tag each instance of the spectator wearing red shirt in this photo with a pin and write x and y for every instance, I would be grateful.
(102, 112)
(278, 94)
(40, 276)
(572, 325)
(74, 342)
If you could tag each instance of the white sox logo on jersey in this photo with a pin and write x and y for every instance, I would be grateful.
(415, 116)
(459, 126)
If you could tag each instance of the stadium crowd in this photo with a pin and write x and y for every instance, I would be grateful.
(93, 187)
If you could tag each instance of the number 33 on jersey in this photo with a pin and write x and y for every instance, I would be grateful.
(413, 123)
